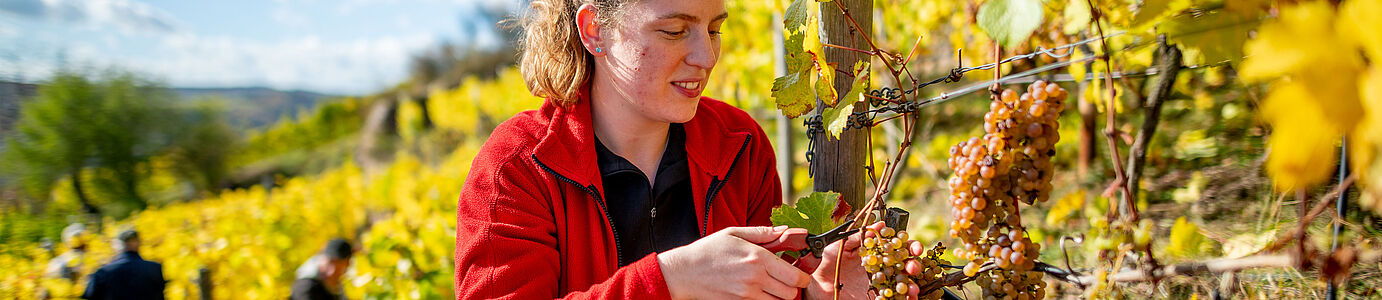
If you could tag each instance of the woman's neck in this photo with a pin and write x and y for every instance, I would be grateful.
(626, 132)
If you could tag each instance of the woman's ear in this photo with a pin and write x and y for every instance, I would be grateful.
(588, 27)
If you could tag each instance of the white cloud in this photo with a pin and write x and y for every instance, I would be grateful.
(123, 14)
(289, 18)
(349, 67)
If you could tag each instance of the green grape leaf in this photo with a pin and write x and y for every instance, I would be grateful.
(836, 118)
(796, 16)
(812, 212)
(792, 91)
(1010, 21)
(1216, 36)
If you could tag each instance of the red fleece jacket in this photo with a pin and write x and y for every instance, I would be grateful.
(531, 218)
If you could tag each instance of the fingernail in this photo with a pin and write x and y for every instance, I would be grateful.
(780, 228)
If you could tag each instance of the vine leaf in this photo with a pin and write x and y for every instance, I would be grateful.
(1076, 16)
(1077, 70)
(795, 17)
(1010, 22)
(1216, 36)
(792, 91)
(825, 73)
(1065, 208)
(1186, 240)
(1154, 11)
(836, 118)
(812, 212)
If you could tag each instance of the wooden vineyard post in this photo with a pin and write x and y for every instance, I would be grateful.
(839, 163)
(204, 283)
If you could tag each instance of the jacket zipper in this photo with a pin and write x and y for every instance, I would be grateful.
(716, 183)
(598, 200)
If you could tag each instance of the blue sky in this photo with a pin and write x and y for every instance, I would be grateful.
(330, 46)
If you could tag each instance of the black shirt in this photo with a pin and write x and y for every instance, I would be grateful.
(647, 218)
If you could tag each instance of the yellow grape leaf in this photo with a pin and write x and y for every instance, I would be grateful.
(1195, 144)
(1097, 94)
(1358, 21)
(1192, 190)
(1302, 38)
(837, 117)
(1076, 17)
(824, 82)
(1366, 143)
(1077, 70)
(1186, 240)
(1065, 208)
(1335, 89)
(1248, 243)
(1302, 143)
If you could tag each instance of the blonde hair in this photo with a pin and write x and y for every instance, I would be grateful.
(554, 62)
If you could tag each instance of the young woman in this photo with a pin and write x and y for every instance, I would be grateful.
(628, 183)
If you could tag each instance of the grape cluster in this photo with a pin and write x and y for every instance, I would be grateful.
(897, 265)
(1010, 163)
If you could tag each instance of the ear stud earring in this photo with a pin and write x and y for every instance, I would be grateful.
(598, 50)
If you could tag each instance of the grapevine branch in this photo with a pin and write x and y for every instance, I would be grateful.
(905, 108)
(894, 97)
(1315, 211)
(1129, 209)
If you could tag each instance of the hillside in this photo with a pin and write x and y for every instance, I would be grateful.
(246, 107)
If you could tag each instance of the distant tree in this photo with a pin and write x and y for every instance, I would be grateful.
(101, 135)
(203, 147)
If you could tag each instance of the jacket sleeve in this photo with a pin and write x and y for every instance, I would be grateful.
(506, 244)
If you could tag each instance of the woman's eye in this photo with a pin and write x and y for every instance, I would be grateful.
(674, 34)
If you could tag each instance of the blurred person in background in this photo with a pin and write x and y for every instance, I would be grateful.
(628, 183)
(65, 265)
(128, 276)
(320, 277)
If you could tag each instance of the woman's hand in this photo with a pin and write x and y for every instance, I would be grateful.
(729, 264)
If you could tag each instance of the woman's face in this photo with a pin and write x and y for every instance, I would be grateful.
(658, 54)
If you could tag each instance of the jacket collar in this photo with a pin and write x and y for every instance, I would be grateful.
(568, 145)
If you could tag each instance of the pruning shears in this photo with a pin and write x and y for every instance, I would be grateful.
(815, 243)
